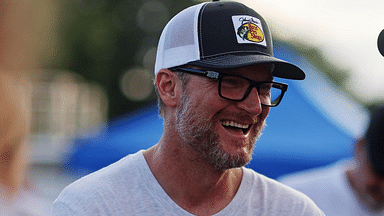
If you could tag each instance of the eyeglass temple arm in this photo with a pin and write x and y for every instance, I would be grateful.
(209, 74)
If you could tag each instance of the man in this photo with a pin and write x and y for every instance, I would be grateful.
(214, 79)
(350, 186)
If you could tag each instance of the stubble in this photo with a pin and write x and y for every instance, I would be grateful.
(197, 132)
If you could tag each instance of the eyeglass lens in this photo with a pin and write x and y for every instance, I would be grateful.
(237, 88)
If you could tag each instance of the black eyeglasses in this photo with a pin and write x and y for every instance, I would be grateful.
(237, 88)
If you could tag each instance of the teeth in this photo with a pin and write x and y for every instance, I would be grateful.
(234, 124)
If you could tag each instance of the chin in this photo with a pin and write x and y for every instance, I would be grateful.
(223, 160)
(239, 155)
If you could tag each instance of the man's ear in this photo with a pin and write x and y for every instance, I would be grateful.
(167, 86)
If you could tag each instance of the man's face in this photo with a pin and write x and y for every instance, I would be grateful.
(223, 132)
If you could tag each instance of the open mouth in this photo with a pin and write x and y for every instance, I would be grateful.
(237, 127)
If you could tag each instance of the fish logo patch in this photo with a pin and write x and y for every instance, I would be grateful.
(249, 30)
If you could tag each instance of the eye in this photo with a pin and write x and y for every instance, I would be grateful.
(265, 89)
(233, 82)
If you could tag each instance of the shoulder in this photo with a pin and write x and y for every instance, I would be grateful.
(317, 179)
(114, 172)
(327, 186)
(101, 187)
(272, 188)
(276, 198)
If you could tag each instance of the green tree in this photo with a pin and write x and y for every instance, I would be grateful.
(102, 39)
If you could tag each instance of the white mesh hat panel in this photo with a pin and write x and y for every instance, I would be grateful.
(178, 42)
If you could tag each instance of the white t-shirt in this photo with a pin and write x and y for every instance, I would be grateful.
(128, 187)
(328, 187)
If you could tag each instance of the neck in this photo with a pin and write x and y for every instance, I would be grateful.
(189, 181)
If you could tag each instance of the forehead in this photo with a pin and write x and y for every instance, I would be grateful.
(256, 72)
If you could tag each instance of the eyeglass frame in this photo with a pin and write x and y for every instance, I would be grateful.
(219, 75)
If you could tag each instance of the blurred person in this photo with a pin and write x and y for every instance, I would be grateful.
(16, 194)
(352, 186)
(17, 54)
(214, 79)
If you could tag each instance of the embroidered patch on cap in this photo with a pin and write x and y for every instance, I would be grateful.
(248, 30)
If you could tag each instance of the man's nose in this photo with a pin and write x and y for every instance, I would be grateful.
(252, 103)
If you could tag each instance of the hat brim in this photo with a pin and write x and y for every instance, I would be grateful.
(282, 69)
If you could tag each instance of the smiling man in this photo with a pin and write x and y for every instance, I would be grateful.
(214, 79)
(223, 132)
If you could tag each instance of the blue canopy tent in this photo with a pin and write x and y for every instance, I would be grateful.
(314, 125)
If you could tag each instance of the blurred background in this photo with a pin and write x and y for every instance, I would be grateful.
(86, 70)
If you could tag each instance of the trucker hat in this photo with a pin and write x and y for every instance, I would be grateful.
(374, 138)
(220, 35)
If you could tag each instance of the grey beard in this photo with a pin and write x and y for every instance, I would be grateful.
(197, 133)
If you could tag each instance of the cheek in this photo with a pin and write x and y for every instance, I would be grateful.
(265, 112)
(207, 95)
(201, 87)
(368, 177)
